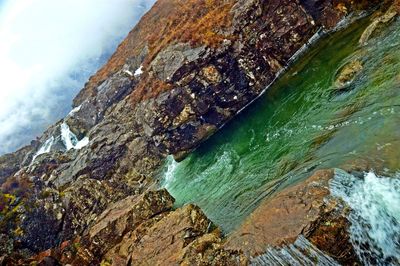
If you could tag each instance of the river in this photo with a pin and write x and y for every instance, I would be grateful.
(303, 123)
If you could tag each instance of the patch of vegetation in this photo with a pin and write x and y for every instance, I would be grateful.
(14, 193)
(198, 22)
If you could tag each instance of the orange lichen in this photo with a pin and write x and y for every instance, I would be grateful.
(150, 87)
(198, 22)
(195, 22)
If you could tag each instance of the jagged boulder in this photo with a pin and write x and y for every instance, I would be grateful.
(125, 215)
(84, 202)
(117, 220)
(176, 238)
(305, 209)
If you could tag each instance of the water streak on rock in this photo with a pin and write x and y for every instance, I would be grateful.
(301, 252)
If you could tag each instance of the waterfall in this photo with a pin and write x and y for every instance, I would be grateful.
(300, 253)
(171, 166)
(70, 140)
(374, 216)
(45, 148)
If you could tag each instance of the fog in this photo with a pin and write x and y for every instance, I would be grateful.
(48, 49)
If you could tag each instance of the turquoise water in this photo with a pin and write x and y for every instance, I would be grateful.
(299, 125)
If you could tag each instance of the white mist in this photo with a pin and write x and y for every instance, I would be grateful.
(48, 50)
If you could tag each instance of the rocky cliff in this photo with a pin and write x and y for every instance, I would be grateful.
(183, 72)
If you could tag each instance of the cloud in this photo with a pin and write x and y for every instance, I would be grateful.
(48, 50)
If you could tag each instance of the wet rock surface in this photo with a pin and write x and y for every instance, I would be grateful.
(98, 203)
(380, 22)
(347, 75)
(305, 209)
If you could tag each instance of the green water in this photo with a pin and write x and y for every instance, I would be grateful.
(298, 126)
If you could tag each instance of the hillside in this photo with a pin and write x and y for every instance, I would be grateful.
(185, 70)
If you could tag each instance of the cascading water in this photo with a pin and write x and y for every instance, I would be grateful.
(75, 110)
(170, 170)
(374, 215)
(300, 253)
(304, 123)
(45, 148)
(67, 137)
(70, 140)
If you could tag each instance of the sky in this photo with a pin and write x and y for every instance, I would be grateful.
(48, 50)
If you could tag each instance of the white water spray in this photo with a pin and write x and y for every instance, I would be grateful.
(45, 148)
(169, 173)
(375, 215)
(70, 140)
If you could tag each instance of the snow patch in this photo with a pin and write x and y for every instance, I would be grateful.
(75, 110)
(128, 72)
(139, 71)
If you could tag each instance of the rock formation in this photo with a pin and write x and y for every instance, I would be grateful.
(184, 71)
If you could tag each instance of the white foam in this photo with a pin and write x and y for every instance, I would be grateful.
(170, 172)
(138, 71)
(82, 143)
(45, 148)
(300, 253)
(70, 140)
(374, 215)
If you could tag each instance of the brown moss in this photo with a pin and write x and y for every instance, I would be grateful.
(20, 186)
(330, 235)
(150, 87)
(198, 22)
(195, 22)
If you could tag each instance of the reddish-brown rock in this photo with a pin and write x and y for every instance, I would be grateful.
(304, 209)
(178, 237)
(125, 215)
(165, 241)
(283, 217)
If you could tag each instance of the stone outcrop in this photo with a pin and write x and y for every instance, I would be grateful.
(202, 62)
(144, 230)
(181, 237)
(11, 163)
(380, 21)
(305, 209)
